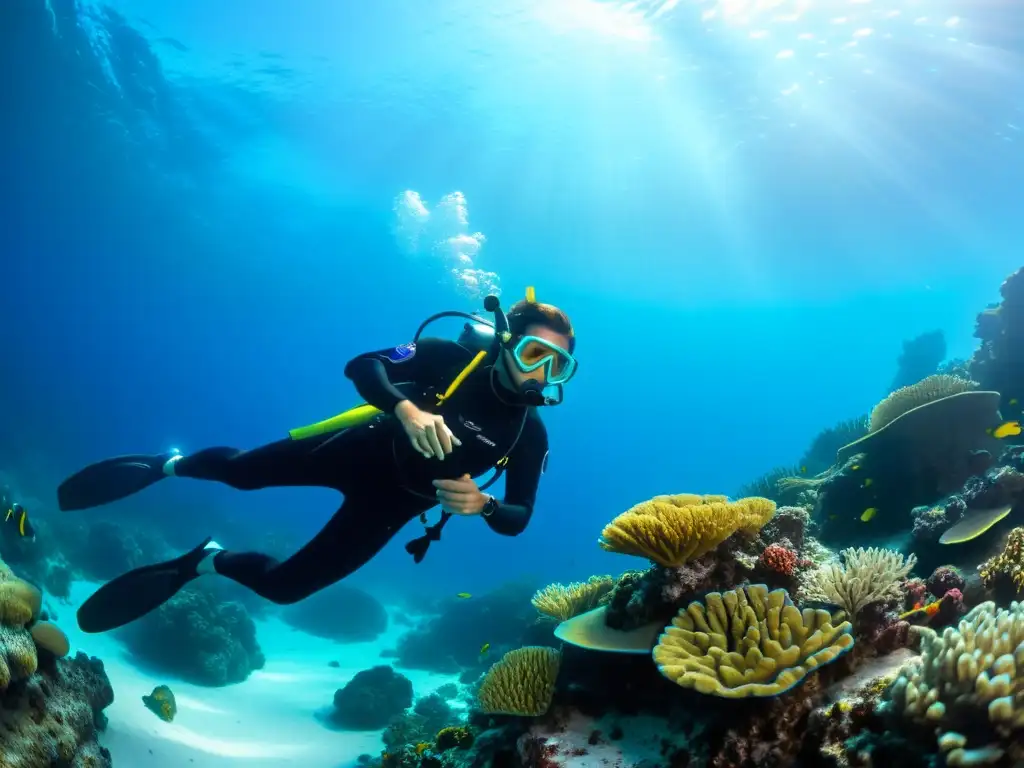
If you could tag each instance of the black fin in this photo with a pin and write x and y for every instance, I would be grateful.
(134, 594)
(110, 480)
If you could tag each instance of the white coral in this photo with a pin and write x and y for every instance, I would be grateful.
(869, 576)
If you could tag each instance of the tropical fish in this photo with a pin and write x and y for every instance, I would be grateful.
(17, 517)
(463, 595)
(1006, 429)
(855, 467)
(485, 648)
(921, 611)
(973, 524)
(803, 470)
(868, 482)
(868, 515)
(161, 703)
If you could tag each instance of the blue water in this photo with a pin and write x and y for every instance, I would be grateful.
(744, 217)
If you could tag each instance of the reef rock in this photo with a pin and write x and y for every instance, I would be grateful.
(198, 637)
(340, 613)
(371, 699)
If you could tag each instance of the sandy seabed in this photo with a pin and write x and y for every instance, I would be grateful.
(268, 720)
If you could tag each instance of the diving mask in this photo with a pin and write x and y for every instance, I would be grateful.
(533, 352)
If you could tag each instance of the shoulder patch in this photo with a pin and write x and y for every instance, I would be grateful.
(401, 353)
(544, 462)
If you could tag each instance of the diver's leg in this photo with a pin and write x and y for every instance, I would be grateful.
(282, 463)
(311, 461)
(357, 532)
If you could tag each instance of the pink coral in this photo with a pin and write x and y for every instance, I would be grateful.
(779, 559)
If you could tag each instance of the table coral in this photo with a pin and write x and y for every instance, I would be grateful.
(672, 530)
(969, 680)
(748, 642)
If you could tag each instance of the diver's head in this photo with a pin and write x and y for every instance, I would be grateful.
(540, 352)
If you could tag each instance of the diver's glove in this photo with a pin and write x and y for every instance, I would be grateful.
(427, 432)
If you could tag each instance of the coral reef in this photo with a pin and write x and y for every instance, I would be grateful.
(198, 637)
(340, 613)
(672, 530)
(563, 601)
(968, 685)
(521, 683)
(371, 699)
(51, 707)
(867, 576)
(748, 642)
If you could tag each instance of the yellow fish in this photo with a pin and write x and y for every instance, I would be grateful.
(868, 515)
(161, 703)
(463, 595)
(868, 482)
(803, 470)
(1013, 401)
(855, 467)
(1007, 429)
(485, 648)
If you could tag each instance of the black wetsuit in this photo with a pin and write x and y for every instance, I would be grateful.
(386, 483)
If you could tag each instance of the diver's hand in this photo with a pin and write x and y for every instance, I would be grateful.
(460, 497)
(427, 431)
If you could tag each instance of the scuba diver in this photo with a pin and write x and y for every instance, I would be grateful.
(437, 414)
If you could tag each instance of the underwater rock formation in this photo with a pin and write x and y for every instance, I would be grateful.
(198, 637)
(451, 641)
(340, 613)
(998, 363)
(920, 358)
(371, 699)
(104, 550)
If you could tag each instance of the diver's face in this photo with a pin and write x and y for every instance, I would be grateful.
(540, 374)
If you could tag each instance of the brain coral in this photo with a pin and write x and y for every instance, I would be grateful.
(748, 642)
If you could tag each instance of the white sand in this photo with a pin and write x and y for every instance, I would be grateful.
(268, 720)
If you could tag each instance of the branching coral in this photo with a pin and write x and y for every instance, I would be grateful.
(522, 682)
(563, 601)
(748, 642)
(970, 680)
(1008, 564)
(868, 576)
(672, 530)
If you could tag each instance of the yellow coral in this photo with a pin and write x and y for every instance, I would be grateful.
(19, 602)
(522, 682)
(672, 530)
(748, 642)
(1009, 563)
(563, 601)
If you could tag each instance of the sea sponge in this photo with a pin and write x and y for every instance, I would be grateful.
(969, 679)
(563, 601)
(748, 642)
(1009, 563)
(868, 576)
(672, 530)
(522, 682)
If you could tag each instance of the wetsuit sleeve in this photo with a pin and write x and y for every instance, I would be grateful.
(375, 374)
(522, 478)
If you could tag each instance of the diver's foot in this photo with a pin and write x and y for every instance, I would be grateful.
(208, 562)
